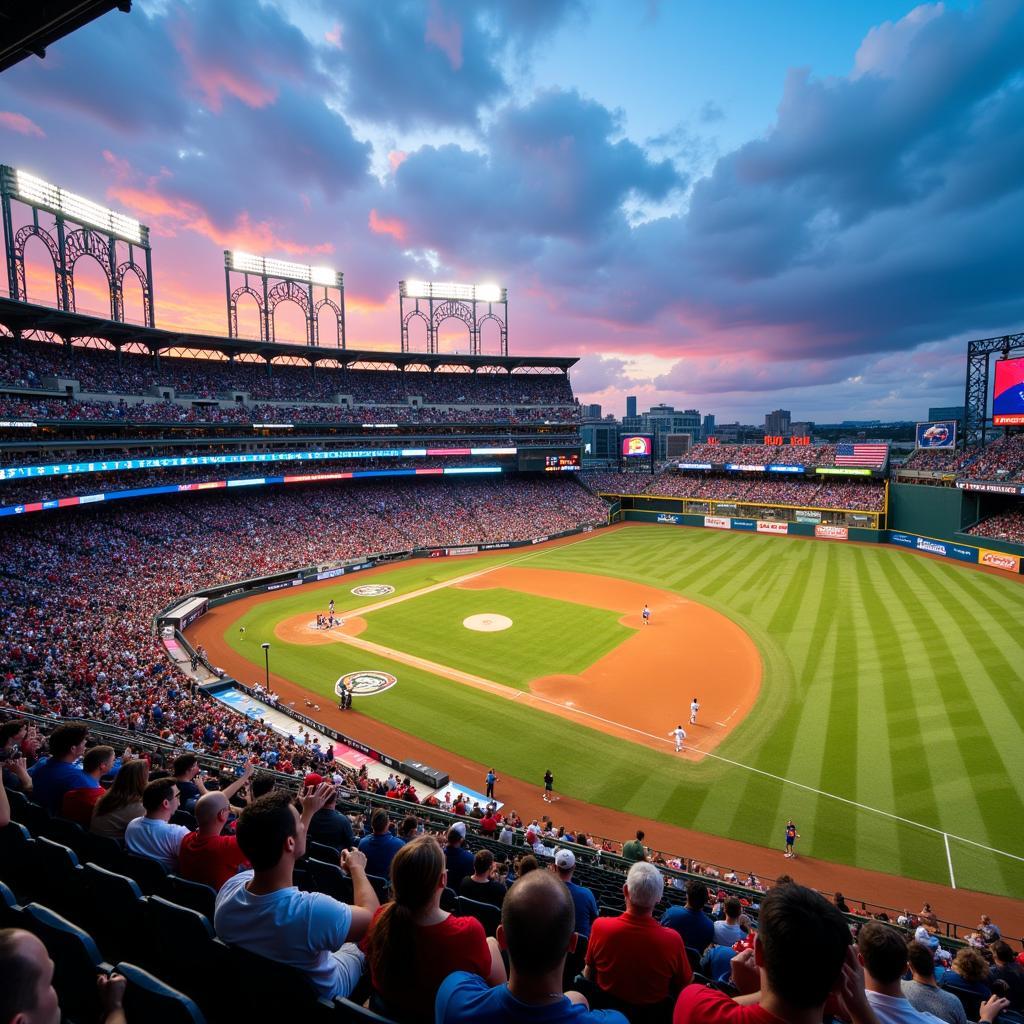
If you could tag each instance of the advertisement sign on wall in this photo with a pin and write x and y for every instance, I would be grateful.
(766, 527)
(803, 516)
(667, 517)
(832, 532)
(743, 524)
(717, 522)
(999, 560)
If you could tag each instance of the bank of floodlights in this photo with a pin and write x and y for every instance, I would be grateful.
(246, 263)
(31, 189)
(451, 290)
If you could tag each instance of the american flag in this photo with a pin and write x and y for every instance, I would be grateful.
(873, 455)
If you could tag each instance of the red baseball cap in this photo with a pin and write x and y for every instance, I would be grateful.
(312, 779)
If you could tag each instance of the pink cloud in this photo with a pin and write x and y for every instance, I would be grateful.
(387, 226)
(445, 34)
(396, 158)
(333, 35)
(21, 124)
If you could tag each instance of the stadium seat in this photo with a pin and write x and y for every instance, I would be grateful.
(381, 886)
(272, 991)
(77, 962)
(574, 962)
(16, 847)
(149, 874)
(347, 1011)
(101, 850)
(969, 999)
(323, 852)
(449, 900)
(10, 913)
(149, 999)
(694, 956)
(186, 893)
(186, 818)
(330, 879)
(170, 929)
(68, 833)
(112, 905)
(656, 1013)
(486, 913)
(36, 818)
(19, 804)
(54, 876)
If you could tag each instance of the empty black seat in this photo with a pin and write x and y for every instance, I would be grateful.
(149, 874)
(381, 886)
(186, 893)
(322, 851)
(54, 878)
(169, 929)
(113, 906)
(486, 913)
(77, 962)
(147, 998)
(330, 879)
(68, 833)
(101, 850)
(15, 854)
(272, 991)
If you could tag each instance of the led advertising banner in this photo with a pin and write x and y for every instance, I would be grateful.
(937, 434)
(175, 462)
(1008, 393)
(637, 446)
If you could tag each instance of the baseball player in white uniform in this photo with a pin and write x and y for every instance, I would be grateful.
(679, 734)
(694, 708)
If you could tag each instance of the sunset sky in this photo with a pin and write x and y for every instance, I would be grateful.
(734, 206)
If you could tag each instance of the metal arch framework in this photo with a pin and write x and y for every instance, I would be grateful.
(74, 240)
(976, 390)
(310, 297)
(434, 311)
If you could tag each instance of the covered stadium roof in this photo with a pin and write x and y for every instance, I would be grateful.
(27, 27)
(23, 317)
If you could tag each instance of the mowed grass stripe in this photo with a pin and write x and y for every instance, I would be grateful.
(945, 762)
(898, 745)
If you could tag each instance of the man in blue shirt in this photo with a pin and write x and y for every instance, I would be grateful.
(537, 930)
(695, 927)
(381, 847)
(458, 860)
(582, 897)
(52, 778)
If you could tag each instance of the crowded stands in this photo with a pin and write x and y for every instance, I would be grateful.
(863, 495)
(1007, 525)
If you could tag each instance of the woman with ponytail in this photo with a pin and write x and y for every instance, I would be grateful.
(413, 945)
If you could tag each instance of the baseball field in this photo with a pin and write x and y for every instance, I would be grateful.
(871, 694)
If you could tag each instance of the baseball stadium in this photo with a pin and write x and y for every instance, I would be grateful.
(278, 553)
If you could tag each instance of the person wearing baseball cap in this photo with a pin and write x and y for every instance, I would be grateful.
(583, 899)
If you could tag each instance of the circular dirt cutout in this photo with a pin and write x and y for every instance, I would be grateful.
(489, 622)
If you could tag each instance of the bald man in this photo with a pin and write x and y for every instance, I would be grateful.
(27, 995)
(537, 920)
(207, 856)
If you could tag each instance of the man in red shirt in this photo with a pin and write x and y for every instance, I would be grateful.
(205, 855)
(631, 957)
(801, 960)
(78, 804)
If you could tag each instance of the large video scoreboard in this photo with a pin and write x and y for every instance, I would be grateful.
(549, 460)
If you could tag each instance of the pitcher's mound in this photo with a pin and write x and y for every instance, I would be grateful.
(488, 623)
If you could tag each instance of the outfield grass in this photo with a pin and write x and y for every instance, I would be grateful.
(891, 680)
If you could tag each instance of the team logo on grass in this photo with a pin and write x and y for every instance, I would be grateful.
(373, 590)
(365, 684)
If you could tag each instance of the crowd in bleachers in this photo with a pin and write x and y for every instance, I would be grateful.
(1007, 525)
(19, 408)
(74, 638)
(28, 364)
(938, 459)
(866, 495)
(762, 454)
(1001, 460)
(422, 918)
(18, 492)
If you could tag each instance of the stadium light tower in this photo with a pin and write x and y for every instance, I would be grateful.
(113, 239)
(294, 282)
(473, 304)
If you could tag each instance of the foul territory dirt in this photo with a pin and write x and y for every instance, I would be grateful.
(688, 650)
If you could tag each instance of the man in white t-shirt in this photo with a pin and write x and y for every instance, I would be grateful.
(262, 911)
(154, 836)
(883, 952)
